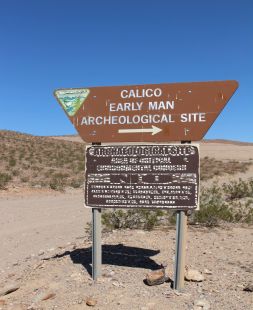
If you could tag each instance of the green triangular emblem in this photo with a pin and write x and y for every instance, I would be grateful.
(72, 99)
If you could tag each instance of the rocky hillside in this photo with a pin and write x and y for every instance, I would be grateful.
(27, 160)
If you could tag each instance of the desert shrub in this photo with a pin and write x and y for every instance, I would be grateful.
(36, 168)
(171, 217)
(41, 183)
(150, 218)
(76, 183)
(49, 173)
(78, 167)
(88, 230)
(56, 184)
(4, 179)
(238, 189)
(210, 167)
(249, 217)
(24, 179)
(25, 166)
(212, 215)
(242, 210)
(62, 175)
(222, 204)
(235, 166)
(58, 181)
(133, 218)
(212, 208)
(15, 172)
(12, 162)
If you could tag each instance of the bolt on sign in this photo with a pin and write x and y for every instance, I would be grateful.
(145, 113)
(142, 176)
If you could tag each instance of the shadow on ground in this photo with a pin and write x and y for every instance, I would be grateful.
(119, 255)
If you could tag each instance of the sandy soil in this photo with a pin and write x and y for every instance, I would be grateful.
(63, 279)
(39, 221)
(46, 252)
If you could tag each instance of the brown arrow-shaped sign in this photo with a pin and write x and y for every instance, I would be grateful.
(145, 113)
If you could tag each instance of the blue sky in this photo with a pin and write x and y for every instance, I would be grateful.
(47, 45)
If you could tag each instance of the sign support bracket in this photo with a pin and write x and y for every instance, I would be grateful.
(180, 255)
(96, 241)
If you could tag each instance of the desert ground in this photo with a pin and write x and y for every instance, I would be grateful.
(46, 253)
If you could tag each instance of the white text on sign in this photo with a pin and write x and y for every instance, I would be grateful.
(147, 109)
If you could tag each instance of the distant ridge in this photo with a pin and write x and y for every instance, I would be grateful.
(76, 138)
(223, 141)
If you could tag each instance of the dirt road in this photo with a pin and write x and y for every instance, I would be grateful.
(39, 223)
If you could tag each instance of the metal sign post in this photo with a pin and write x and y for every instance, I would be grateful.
(181, 231)
(96, 243)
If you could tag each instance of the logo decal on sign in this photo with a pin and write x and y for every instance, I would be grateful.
(72, 99)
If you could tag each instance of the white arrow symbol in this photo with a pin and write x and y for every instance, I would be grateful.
(154, 130)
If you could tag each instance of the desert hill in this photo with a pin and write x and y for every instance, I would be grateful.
(27, 160)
